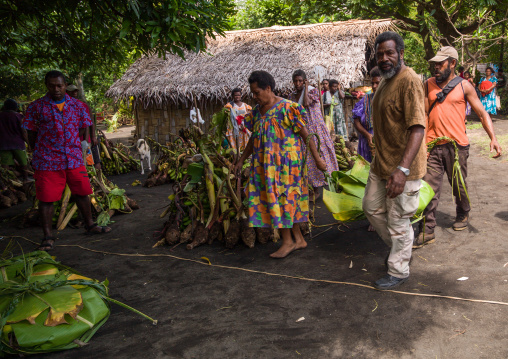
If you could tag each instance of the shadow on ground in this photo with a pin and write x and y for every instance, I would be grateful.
(210, 312)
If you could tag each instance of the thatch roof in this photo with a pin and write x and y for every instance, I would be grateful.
(339, 47)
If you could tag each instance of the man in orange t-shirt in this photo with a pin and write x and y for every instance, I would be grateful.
(447, 118)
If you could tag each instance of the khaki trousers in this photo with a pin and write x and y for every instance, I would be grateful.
(391, 217)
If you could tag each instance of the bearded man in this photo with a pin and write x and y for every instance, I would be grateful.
(447, 118)
(391, 194)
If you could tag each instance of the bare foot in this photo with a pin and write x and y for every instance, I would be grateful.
(283, 251)
(301, 244)
(299, 240)
(371, 228)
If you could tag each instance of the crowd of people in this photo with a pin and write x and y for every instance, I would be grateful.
(394, 123)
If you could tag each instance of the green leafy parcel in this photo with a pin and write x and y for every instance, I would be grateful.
(46, 306)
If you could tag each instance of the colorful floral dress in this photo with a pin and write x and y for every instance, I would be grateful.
(277, 191)
(489, 101)
(243, 134)
(316, 124)
(363, 111)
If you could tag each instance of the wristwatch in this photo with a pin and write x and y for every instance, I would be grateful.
(404, 170)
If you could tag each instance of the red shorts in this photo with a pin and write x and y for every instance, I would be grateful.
(49, 185)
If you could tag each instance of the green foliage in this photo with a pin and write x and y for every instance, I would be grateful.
(80, 33)
(97, 39)
(117, 199)
(254, 14)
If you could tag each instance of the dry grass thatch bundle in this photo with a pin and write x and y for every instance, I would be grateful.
(339, 47)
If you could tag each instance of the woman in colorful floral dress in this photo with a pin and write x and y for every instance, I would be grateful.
(488, 96)
(309, 98)
(236, 133)
(277, 191)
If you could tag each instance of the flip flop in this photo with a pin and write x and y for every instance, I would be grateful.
(102, 231)
(46, 244)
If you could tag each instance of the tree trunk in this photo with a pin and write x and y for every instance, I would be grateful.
(501, 55)
(79, 85)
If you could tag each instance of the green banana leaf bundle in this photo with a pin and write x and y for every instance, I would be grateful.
(344, 200)
(46, 306)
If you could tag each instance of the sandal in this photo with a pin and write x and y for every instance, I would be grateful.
(47, 243)
(92, 233)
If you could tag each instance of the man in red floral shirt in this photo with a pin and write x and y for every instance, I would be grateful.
(54, 124)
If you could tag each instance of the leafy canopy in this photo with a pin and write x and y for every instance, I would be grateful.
(78, 32)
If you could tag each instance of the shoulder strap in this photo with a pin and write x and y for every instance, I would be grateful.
(441, 96)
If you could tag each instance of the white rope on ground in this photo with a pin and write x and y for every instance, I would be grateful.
(270, 274)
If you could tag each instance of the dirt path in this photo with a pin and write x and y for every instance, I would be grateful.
(210, 312)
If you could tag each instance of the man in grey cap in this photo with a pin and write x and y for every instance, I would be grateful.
(446, 97)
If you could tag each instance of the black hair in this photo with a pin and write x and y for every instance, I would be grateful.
(300, 73)
(500, 69)
(10, 105)
(235, 90)
(53, 75)
(491, 70)
(323, 80)
(263, 79)
(467, 72)
(387, 36)
(332, 82)
(374, 72)
(460, 68)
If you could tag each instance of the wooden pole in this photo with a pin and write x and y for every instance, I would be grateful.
(321, 99)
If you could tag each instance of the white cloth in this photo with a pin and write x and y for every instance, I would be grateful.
(300, 101)
(195, 116)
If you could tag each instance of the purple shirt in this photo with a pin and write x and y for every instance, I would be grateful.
(359, 112)
(58, 146)
(11, 133)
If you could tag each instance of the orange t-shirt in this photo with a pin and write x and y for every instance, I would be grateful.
(448, 117)
(60, 106)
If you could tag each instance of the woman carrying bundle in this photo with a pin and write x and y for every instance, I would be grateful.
(487, 87)
(309, 98)
(236, 133)
(277, 191)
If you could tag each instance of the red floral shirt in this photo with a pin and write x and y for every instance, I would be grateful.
(58, 146)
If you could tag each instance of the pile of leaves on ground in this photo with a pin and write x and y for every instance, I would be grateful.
(116, 159)
(47, 307)
(347, 189)
(107, 200)
(208, 202)
(12, 190)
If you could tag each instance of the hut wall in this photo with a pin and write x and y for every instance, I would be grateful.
(162, 123)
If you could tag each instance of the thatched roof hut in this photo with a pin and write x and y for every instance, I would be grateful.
(209, 77)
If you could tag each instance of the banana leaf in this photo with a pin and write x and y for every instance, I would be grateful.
(425, 196)
(46, 306)
(361, 170)
(344, 207)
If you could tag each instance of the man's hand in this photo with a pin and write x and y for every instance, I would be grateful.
(370, 141)
(321, 165)
(494, 146)
(396, 183)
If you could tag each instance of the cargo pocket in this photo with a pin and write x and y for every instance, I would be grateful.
(407, 203)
